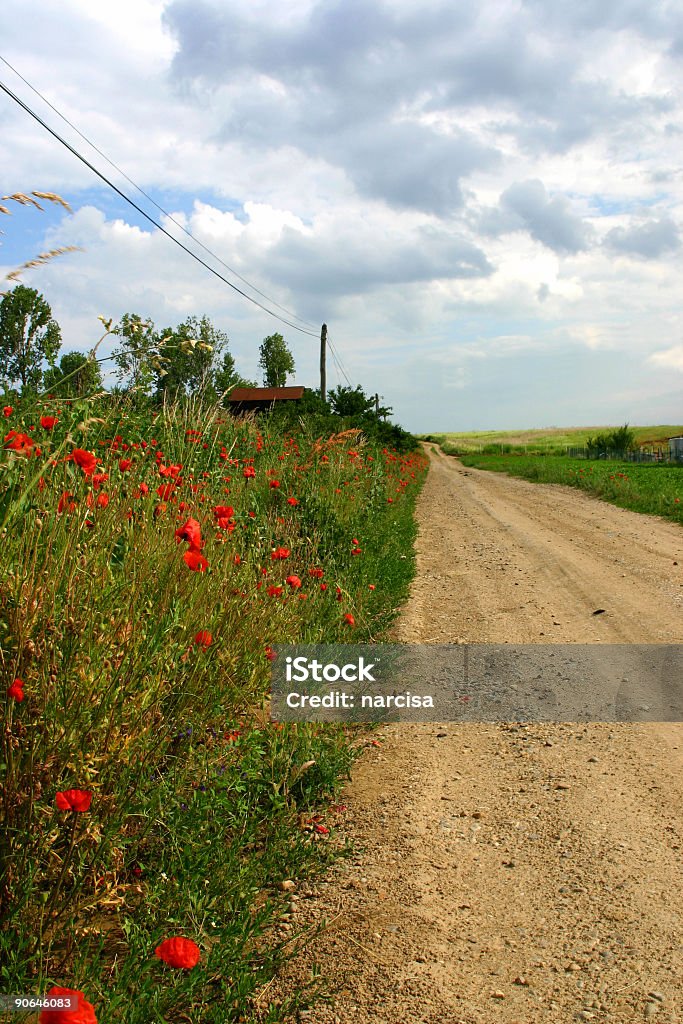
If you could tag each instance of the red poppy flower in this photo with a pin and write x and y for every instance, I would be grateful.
(292, 501)
(323, 830)
(190, 532)
(179, 952)
(371, 586)
(84, 460)
(65, 502)
(270, 653)
(195, 561)
(249, 472)
(48, 422)
(223, 511)
(293, 581)
(125, 464)
(274, 591)
(7, 411)
(349, 619)
(18, 442)
(74, 800)
(172, 471)
(82, 1013)
(316, 573)
(102, 500)
(279, 553)
(273, 483)
(203, 638)
(323, 586)
(165, 491)
(16, 690)
(356, 551)
(141, 491)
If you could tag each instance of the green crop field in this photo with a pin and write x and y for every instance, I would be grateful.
(550, 439)
(653, 488)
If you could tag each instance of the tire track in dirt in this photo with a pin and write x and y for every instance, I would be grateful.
(505, 872)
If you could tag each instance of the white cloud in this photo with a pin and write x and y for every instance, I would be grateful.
(669, 357)
(449, 187)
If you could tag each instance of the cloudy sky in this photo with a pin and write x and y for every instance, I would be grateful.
(484, 202)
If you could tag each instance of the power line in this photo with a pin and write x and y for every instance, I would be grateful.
(150, 198)
(338, 362)
(146, 215)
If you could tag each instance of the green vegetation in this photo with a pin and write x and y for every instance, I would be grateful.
(29, 338)
(154, 551)
(276, 361)
(151, 558)
(553, 440)
(75, 377)
(656, 489)
(346, 409)
(611, 444)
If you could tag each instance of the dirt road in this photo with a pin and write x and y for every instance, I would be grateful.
(515, 873)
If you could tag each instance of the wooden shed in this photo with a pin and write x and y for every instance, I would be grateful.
(262, 399)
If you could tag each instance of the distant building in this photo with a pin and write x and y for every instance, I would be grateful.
(262, 399)
(676, 449)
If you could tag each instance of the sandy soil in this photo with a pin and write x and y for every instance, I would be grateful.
(504, 872)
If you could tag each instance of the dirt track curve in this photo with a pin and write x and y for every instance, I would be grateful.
(505, 873)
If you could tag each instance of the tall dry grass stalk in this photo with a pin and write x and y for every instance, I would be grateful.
(44, 257)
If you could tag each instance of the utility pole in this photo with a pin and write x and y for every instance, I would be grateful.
(323, 352)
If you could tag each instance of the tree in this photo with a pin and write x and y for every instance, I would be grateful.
(276, 361)
(137, 357)
(75, 376)
(187, 356)
(623, 439)
(618, 442)
(351, 402)
(196, 361)
(29, 336)
(227, 378)
(190, 359)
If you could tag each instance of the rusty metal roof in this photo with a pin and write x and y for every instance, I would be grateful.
(266, 394)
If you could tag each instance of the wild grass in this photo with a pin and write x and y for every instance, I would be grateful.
(652, 488)
(139, 597)
(24, 199)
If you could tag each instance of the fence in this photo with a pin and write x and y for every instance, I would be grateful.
(638, 455)
(671, 455)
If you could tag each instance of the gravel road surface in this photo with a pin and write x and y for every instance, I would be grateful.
(514, 873)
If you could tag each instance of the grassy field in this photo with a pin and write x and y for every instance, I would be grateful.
(656, 489)
(151, 811)
(552, 439)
